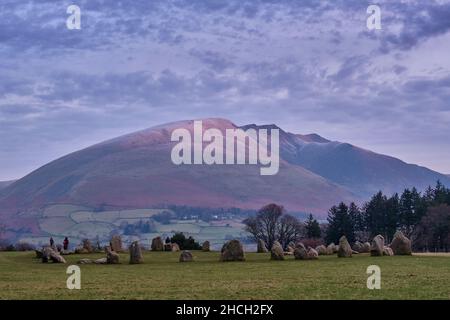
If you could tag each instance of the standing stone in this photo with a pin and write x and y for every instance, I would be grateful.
(111, 256)
(157, 244)
(261, 248)
(136, 253)
(312, 254)
(206, 246)
(300, 252)
(387, 251)
(300, 245)
(358, 246)
(168, 246)
(322, 250)
(48, 254)
(186, 256)
(277, 253)
(87, 246)
(401, 245)
(330, 249)
(344, 249)
(116, 243)
(232, 251)
(175, 247)
(101, 261)
(377, 247)
(56, 257)
(85, 261)
(366, 247)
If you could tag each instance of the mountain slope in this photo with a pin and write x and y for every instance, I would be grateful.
(4, 184)
(136, 171)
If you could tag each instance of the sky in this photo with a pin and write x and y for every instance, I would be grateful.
(307, 66)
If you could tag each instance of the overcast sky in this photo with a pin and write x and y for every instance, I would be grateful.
(307, 66)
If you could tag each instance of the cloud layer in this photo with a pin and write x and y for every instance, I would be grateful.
(308, 66)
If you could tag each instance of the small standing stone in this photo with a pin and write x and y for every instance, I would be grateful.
(111, 256)
(136, 253)
(377, 246)
(300, 252)
(277, 253)
(344, 250)
(261, 247)
(116, 243)
(322, 250)
(157, 244)
(186, 256)
(206, 246)
(175, 247)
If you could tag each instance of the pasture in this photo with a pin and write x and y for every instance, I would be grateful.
(163, 277)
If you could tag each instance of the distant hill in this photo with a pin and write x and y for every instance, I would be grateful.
(135, 171)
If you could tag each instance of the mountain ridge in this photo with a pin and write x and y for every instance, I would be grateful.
(135, 170)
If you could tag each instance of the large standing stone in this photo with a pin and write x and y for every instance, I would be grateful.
(48, 254)
(387, 251)
(168, 246)
(232, 251)
(175, 247)
(186, 256)
(157, 244)
(206, 246)
(111, 256)
(401, 245)
(377, 247)
(322, 250)
(344, 249)
(56, 257)
(277, 253)
(261, 247)
(116, 243)
(136, 253)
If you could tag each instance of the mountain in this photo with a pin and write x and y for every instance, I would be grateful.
(4, 184)
(136, 171)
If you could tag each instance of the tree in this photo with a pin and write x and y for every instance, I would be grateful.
(433, 232)
(185, 243)
(312, 228)
(411, 210)
(272, 224)
(340, 223)
(374, 214)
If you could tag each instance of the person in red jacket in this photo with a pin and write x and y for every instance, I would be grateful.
(66, 243)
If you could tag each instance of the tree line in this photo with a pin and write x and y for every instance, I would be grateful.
(422, 217)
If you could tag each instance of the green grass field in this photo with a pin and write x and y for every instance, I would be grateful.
(163, 277)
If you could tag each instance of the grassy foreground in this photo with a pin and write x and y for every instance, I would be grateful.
(163, 277)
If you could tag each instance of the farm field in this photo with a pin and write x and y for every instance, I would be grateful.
(163, 277)
(77, 223)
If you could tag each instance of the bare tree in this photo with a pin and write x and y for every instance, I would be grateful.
(271, 224)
